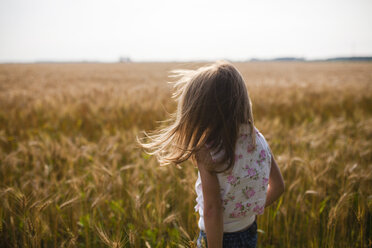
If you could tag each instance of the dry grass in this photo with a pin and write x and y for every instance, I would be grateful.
(71, 174)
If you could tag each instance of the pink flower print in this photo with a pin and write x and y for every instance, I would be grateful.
(264, 181)
(247, 208)
(234, 215)
(249, 192)
(237, 214)
(238, 205)
(231, 179)
(250, 148)
(258, 209)
(262, 157)
(229, 197)
(237, 157)
(262, 154)
(251, 172)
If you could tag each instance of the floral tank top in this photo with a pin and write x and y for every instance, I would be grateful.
(244, 187)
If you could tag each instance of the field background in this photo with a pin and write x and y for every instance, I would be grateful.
(71, 174)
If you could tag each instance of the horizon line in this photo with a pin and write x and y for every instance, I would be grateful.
(253, 59)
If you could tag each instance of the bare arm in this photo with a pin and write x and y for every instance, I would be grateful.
(213, 212)
(276, 183)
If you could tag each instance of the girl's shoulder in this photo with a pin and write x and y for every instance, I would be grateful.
(245, 131)
(244, 139)
(261, 138)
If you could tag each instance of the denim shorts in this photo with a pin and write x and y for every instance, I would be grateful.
(245, 238)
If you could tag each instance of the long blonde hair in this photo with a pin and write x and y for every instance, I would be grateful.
(213, 102)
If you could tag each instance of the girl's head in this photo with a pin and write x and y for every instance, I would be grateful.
(212, 102)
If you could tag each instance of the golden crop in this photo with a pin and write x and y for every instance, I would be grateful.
(72, 175)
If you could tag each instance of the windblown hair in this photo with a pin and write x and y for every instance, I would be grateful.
(213, 102)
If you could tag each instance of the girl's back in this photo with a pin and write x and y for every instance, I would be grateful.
(243, 188)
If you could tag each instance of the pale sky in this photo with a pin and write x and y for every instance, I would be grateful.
(74, 30)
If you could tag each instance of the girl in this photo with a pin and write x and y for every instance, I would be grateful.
(238, 176)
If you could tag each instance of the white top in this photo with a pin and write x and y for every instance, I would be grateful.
(244, 187)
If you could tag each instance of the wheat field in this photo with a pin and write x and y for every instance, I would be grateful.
(72, 175)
